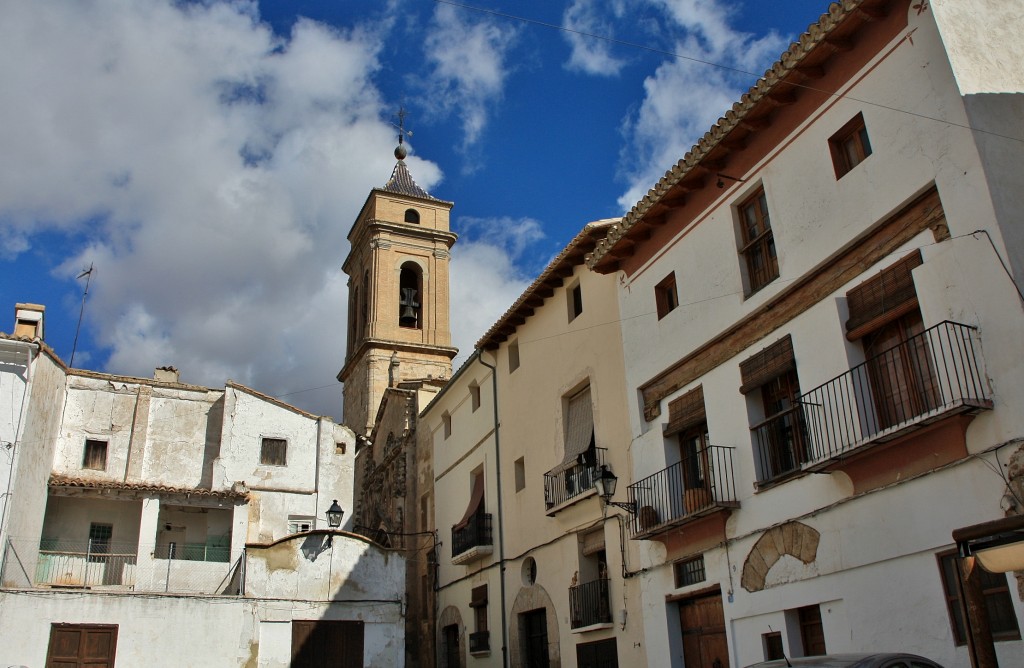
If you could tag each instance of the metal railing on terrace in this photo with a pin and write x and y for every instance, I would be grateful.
(930, 374)
(588, 604)
(780, 444)
(105, 565)
(476, 533)
(674, 495)
(562, 483)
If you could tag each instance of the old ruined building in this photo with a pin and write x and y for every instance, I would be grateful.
(154, 522)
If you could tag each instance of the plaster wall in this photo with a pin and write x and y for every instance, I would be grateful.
(982, 40)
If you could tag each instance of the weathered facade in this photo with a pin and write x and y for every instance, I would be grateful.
(821, 316)
(133, 500)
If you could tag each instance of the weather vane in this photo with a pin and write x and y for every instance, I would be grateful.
(401, 151)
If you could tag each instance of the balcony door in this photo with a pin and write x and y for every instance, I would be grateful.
(901, 372)
(787, 447)
(695, 470)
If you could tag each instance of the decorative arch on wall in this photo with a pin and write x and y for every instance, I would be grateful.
(528, 599)
(410, 296)
(450, 616)
(793, 538)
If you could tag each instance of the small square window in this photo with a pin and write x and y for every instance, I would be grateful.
(300, 523)
(772, 644)
(513, 356)
(575, 296)
(274, 451)
(665, 295)
(689, 571)
(474, 396)
(850, 146)
(520, 474)
(446, 422)
(339, 447)
(95, 457)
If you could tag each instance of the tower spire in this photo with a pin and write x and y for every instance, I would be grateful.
(400, 150)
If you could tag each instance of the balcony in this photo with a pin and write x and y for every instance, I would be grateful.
(691, 488)
(480, 642)
(927, 377)
(780, 445)
(564, 485)
(588, 604)
(472, 541)
(112, 566)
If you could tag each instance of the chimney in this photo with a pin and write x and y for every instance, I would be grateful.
(28, 320)
(166, 374)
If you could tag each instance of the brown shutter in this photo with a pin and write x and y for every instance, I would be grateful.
(882, 299)
(593, 542)
(476, 500)
(579, 429)
(686, 411)
(479, 597)
(770, 363)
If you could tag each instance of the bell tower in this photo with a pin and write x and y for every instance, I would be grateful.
(397, 294)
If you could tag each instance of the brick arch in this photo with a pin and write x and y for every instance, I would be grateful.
(449, 616)
(793, 538)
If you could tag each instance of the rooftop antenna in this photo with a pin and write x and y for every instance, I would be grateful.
(401, 151)
(88, 279)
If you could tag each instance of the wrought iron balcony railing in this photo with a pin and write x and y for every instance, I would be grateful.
(562, 483)
(588, 604)
(926, 376)
(780, 444)
(480, 641)
(476, 533)
(702, 481)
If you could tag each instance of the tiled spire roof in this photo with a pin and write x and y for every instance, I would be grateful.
(401, 182)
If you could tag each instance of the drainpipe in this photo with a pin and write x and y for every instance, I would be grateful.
(501, 522)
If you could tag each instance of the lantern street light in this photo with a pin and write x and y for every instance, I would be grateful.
(334, 515)
(605, 484)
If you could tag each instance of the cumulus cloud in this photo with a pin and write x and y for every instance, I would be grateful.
(589, 54)
(211, 170)
(468, 67)
(683, 98)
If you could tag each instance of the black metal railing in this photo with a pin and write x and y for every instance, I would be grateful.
(475, 533)
(699, 482)
(926, 375)
(588, 604)
(480, 641)
(565, 482)
(780, 444)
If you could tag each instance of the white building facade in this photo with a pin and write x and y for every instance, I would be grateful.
(821, 318)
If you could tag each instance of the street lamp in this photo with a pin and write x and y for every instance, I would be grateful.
(334, 515)
(605, 484)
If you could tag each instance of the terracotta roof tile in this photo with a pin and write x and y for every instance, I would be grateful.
(58, 480)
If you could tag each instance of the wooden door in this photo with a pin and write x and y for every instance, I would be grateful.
(702, 621)
(81, 645)
(902, 372)
(535, 638)
(327, 644)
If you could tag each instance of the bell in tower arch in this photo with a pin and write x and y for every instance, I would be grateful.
(408, 297)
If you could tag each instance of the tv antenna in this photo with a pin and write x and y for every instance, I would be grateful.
(81, 311)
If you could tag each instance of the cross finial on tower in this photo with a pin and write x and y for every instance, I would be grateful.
(401, 151)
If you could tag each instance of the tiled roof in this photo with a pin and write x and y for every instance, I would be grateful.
(58, 480)
(402, 183)
(552, 277)
(838, 13)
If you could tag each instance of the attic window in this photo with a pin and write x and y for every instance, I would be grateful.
(474, 396)
(665, 295)
(850, 146)
(412, 216)
(95, 457)
(273, 451)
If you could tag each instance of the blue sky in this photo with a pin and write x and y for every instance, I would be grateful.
(209, 158)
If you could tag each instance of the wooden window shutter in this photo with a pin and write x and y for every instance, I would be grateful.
(593, 542)
(686, 411)
(882, 299)
(770, 363)
(579, 428)
(478, 597)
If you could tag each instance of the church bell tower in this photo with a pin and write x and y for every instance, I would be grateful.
(397, 294)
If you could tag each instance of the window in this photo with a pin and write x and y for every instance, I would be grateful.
(446, 424)
(339, 447)
(812, 632)
(758, 248)
(412, 216)
(409, 291)
(772, 644)
(780, 442)
(1001, 617)
(273, 451)
(474, 396)
(520, 474)
(600, 654)
(849, 146)
(513, 356)
(689, 571)
(300, 523)
(479, 641)
(95, 456)
(82, 645)
(575, 297)
(665, 295)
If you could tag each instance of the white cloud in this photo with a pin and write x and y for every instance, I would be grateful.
(684, 98)
(215, 170)
(468, 67)
(590, 54)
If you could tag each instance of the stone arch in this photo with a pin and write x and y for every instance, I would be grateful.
(450, 616)
(793, 538)
(528, 599)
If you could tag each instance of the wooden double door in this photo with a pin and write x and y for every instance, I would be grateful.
(702, 622)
